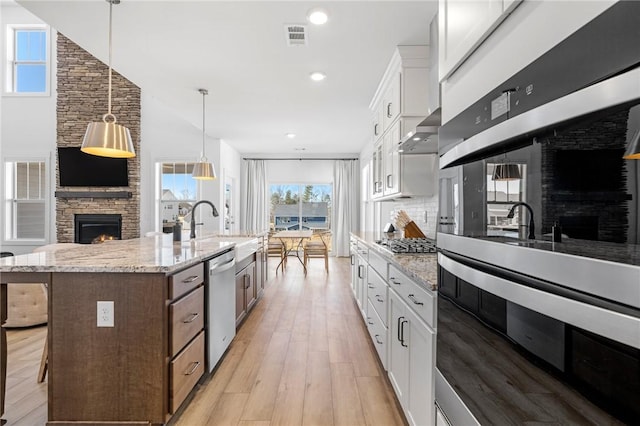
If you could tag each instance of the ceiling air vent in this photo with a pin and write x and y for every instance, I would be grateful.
(296, 34)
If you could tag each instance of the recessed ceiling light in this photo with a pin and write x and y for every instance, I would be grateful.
(317, 16)
(291, 135)
(318, 76)
(416, 139)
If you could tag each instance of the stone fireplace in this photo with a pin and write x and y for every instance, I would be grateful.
(82, 83)
(88, 227)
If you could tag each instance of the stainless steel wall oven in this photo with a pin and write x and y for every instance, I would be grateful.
(539, 239)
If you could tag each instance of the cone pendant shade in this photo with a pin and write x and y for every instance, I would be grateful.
(633, 152)
(108, 139)
(506, 172)
(203, 170)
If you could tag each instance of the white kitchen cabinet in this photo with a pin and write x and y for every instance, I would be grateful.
(411, 361)
(377, 176)
(391, 101)
(464, 25)
(392, 161)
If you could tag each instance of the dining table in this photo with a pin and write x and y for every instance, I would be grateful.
(295, 238)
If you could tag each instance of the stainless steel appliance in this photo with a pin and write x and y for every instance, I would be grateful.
(221, 302)
(532, 330)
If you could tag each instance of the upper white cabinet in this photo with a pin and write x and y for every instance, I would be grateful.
(464, 25)
(399, 104)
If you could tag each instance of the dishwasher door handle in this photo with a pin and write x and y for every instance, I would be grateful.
(221, 267)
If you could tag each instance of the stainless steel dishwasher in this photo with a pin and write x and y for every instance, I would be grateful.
(221, 303)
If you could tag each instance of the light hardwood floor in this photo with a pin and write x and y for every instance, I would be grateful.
(302, 357)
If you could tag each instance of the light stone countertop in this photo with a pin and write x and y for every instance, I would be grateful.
(422, 267)
(157, 254)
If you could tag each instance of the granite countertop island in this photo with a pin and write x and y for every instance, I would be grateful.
(144, 255)
(422, 267)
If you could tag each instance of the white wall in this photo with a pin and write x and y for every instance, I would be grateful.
(167, 137)
(532, 29)
(27, 125)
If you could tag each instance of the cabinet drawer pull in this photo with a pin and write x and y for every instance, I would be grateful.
(195, 366)
(393, 280)
(191, 279)
(191, 318)
(379, 299)
(369, 321)
(413, 299)
(371, 286)
(377, 341)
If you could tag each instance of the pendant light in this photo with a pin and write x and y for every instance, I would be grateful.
(505, 172)
(633, 152)
(203, 169)
(107, 138)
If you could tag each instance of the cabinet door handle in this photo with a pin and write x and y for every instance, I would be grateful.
(377, 340)
(389, 109)
(402, 333)
(375, 129)
(248, 279)
(194, 367)
(353, 260)
(389, 181)
(399, 320)
(190, 279)
(413, 299)
(191, 318)
(360, 273)
(379, 299)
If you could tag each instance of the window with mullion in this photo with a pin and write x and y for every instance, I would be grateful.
(28, 60)
(25, 200)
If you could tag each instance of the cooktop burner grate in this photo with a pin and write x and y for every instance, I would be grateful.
(409, 245)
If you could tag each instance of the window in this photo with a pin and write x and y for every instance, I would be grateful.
(501, 195)
(177, 191)
(25, 200)
(295, 206)
(27, 60)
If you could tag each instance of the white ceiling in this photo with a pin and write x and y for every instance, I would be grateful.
(259, 89)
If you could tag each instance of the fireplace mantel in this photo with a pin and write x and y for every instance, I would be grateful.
(94, 194)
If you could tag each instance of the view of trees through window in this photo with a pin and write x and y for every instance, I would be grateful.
(297, 206)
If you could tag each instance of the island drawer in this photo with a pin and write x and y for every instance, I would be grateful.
(419, 299)
(185, 281)
(185, 371)
(186, 317)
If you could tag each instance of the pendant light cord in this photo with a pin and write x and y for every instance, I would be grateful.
(110, 20)
(204, 93)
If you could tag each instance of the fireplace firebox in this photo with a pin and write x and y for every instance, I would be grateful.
(89, 227)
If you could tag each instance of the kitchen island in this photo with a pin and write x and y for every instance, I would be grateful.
(126, 339)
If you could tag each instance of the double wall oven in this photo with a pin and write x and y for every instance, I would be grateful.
(539, 239)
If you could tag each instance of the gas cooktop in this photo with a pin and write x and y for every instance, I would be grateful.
(409, 245)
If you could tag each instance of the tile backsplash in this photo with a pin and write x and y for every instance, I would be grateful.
(422, 210)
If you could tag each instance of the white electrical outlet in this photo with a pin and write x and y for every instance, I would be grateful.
(105, 313)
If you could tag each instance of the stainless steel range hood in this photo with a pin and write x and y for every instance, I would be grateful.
(425, 138)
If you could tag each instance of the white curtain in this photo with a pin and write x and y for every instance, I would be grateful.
(346, 201)
(255, 207)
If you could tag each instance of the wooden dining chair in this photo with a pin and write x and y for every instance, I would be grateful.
(275, 248)
(318, 247)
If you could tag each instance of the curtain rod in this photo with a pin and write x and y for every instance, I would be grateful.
(299, 159)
